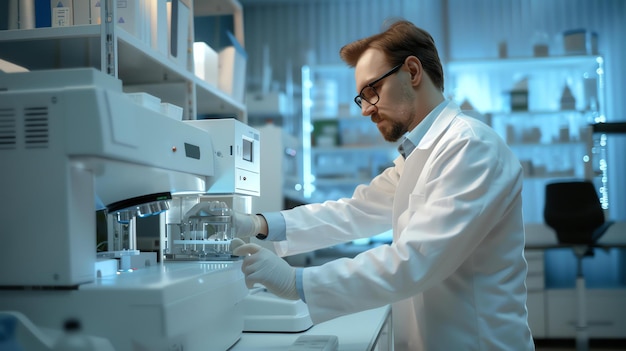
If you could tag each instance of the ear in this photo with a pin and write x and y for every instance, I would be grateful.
(414, 65)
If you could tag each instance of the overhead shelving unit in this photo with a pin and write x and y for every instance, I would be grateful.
(139, 66)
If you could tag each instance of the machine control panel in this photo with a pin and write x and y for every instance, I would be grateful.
(237, 156)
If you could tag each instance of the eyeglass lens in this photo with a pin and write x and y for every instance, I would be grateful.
(368, 94)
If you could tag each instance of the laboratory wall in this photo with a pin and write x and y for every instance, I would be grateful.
(285, 35)
(312, 32)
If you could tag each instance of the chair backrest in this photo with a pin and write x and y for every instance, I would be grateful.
(573, 210)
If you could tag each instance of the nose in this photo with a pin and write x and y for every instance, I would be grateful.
(367, 109)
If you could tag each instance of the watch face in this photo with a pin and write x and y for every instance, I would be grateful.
(261, 236)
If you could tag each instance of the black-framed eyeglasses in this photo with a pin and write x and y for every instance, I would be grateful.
(369, 93)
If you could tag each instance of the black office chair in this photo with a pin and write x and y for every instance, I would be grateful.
(573, 210)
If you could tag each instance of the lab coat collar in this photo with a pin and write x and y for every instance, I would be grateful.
(430, 128)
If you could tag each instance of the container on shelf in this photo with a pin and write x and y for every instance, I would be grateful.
(325, 133)
(206, 63)
(580, 42)
(519, 96)
(324, 98)
(541, 44)
(568, 101)
(232, 69)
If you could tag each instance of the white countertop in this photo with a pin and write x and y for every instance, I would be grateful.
(540, 236)
(356, 332)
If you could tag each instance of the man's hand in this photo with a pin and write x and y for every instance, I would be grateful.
(246, 225)
(262, 266)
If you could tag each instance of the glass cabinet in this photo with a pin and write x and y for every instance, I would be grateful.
(543, 107)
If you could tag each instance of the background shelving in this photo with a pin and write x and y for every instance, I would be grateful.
(340, 148)
(552, 141)
(135, 62)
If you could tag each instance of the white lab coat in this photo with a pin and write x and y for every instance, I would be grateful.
(455, 272)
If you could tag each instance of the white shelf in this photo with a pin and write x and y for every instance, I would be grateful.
(524, 64)
(535, 113)
(49, 48)
(139, 66)
(56, 33)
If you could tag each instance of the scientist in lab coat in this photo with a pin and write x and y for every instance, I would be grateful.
(455, 271)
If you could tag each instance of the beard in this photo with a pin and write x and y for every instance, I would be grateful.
(395, 131)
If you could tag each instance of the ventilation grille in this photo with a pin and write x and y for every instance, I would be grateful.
(7, 129)
(36, 132)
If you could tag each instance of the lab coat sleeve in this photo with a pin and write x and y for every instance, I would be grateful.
(367, 213)
(468, 185)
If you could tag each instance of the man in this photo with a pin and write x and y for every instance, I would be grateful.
(455, 272)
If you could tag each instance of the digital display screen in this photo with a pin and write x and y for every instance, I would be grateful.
(192, 151)
(247, 150)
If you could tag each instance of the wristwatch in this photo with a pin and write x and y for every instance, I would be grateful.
(261, 236)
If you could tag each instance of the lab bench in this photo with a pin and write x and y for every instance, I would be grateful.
(364, 331)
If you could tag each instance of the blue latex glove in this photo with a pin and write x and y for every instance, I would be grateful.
(262, 266)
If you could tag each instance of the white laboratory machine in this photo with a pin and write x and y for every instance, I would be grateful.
(71, 142)
(197, 227)
(199, 237)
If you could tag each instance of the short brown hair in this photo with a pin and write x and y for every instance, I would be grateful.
(400, 40)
